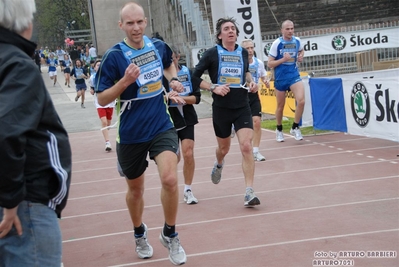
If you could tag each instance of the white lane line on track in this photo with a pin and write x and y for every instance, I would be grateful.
(228, 196)
(201, 157)
(256, 176)
(298, 241)
(245, 216)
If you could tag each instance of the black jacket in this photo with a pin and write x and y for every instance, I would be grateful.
(35, 154)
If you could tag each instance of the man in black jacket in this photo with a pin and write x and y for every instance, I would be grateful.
(35, 154)
(37, 59)
(74, 54)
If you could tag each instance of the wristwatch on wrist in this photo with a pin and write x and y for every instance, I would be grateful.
(173, 79)
(213, 86)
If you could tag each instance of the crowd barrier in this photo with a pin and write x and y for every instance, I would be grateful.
(364, 103)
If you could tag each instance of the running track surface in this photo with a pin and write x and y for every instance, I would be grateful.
(328, 193)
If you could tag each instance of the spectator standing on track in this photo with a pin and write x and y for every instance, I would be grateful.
(104, 112)
(227, 64)
(132, 71)
(284, 54)
(35, 158)
(257, 69)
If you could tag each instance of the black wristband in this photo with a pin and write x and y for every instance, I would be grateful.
(174, 79)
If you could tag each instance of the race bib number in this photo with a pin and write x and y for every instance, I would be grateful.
(152, 75)
(231, 71)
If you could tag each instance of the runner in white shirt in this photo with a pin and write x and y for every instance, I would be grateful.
(92, 53)
(104, 112)
(257, 69)
(60, 55)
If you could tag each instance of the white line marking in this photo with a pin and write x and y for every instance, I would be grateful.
(256, 176)
(245, 216)
(264, 246)
(235, 195)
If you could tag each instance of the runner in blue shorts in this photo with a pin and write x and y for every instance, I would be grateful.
(79, 74)
(284, 54)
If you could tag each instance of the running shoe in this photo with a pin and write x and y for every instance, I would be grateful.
(250, 198)
(143, 248)
(296, 133)
(108, 146)
(189, 198)
(259, 157)
(177, 255)
(279, 136)
(216, 174)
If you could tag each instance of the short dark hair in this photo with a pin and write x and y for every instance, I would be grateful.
(219, 24)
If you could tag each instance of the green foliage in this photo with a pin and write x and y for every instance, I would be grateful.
(53, 17)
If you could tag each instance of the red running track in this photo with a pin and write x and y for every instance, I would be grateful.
(333, 193)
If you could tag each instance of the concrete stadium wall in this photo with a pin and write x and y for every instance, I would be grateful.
(162, 17)
(106, 18)
(173, 23)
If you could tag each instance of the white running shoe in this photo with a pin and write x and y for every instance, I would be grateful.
(189, 198)
(250, 198)
(216, 174)
(296, 133)
(177, 255)
(279, 136)
(143, 248)
(259, 157)
(108, 147)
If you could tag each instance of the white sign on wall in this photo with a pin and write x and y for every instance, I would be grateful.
(377, 114)
(371, 103)
(196, 54)
(345, 42)
(247, 16)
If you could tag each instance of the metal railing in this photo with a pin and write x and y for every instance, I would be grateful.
(79, 36)
(352, 28)
(327, 65)
(335, 64)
